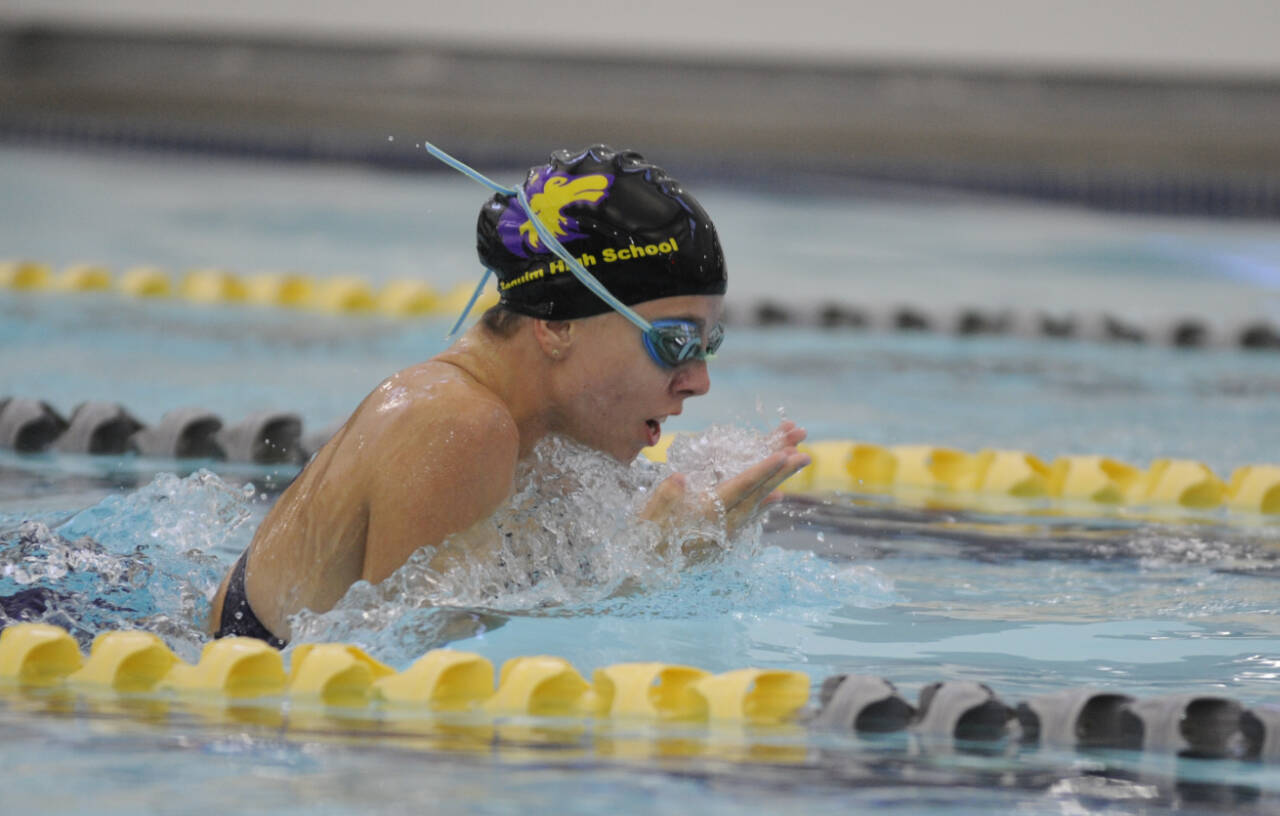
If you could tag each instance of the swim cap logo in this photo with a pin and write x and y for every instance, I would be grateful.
(549, 193)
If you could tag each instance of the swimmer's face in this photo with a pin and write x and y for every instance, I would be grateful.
(616, 397)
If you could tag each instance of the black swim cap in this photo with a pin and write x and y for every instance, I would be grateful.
(627, 222)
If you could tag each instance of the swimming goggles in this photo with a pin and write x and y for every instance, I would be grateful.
(669, 342)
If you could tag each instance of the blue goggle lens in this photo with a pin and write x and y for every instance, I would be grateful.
(672, 342)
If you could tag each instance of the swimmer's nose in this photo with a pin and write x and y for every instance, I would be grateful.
(692, 379)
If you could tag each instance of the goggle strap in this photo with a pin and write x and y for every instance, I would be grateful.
(466, 170)
(470, 303)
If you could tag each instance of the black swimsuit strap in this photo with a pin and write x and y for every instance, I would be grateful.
(238, 617)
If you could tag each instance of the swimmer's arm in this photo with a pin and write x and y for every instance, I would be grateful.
(441, 478)
(738, 499)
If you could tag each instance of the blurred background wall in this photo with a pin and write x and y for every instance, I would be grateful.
(1144, 104)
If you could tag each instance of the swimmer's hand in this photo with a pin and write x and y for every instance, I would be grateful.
(738, 499)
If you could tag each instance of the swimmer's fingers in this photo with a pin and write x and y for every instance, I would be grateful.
(795, 462)
(751, 486)
(737, 489)
(765, 491)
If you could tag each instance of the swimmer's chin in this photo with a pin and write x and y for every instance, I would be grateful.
(626, 457)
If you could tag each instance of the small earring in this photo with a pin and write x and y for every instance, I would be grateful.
(555, 353)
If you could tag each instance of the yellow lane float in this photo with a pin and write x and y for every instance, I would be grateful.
(342, 675)
(1179, 481)
(279, 289)
(236, 667)
(145, 282)
(829, 469)
(212, 285)
(1255, 488)
(1092, 478)
(842, 465)
(407, 298)
(653, 690)
(27, 275)
(129, 662)
(923, 465)
(541, 686)
(37, 654)
(344, 294)
(754, 695)
(335, 673)
(1007, 473)
(83, 277)
(442, 679)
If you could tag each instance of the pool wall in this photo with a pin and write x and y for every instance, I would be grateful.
(1129, 137)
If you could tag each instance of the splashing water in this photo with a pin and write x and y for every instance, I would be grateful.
(721, 451)
(143, 560)
(569, 542)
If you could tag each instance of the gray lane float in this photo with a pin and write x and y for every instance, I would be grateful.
(1174, 330)
(99, 428)
(1259, 335)
(962, 710)
(1261, 728)
(1080, 718)
(29, 426)
(1192, 726)
(184, 433)
(267, 437)
(851, 702)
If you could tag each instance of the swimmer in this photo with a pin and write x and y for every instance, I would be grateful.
(610, 304)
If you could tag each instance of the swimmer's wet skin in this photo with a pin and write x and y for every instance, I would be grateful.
(427, 458)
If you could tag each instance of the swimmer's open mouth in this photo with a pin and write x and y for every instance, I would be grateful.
(655, 430)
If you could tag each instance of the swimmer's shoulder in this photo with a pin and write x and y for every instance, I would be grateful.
(431, 431)
(439, 403)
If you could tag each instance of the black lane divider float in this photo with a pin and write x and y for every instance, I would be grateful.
(1188, 725)
(409, 298)
(108, 428)
(1186, 332)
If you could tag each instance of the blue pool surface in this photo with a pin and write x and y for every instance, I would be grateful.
(1024, 600)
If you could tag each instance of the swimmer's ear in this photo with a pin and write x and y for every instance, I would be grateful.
(554, 337)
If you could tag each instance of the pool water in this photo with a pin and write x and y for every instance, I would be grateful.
(1026, 601)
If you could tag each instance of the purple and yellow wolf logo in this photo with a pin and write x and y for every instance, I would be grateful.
(549, 193)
